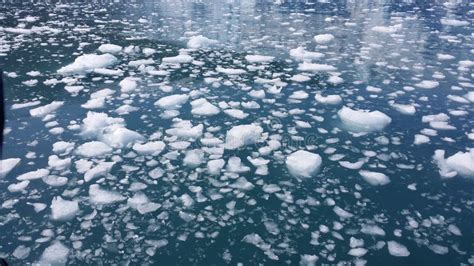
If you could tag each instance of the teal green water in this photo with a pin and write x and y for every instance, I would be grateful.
(273, 217)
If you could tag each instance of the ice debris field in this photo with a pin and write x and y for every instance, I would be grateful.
(238, 132)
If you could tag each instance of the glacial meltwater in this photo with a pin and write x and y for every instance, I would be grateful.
(237, 132)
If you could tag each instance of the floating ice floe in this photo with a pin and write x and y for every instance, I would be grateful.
(199, 41)
(374, 178)
(44, 110)
(406, 109)
(204, 108)
(230, 71)
(259, 58)
(56, 254)
(461, 163)
(150, 148)
(305, 66)
(62, 210)
(184, 129)
(454, 22)
(396, 249)
(303, 163)
(302, 55)
(100, 196)
(387, 29)
(171, 102)
(7, 165)
(101, 169)
(329, 99)
(179, 59)
(32, 175)
(239, 136)
(87, 63)
(427, 84)
(127, 85)
(365, 121)
(110, 48)
(93, 149)
(323, 38)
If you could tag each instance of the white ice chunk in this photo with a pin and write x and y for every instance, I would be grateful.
(396, 249)
(358, 120)
(199, 41)
(230, 71)
(55, 254)
(374, 178)
(100, 196)
(44, 110)
(150, 148)
(17, 187)
(203, 107)
(7, 165)
(110, 48)
(330, 99)
(239, 136)
(171, 102)
(323, 38)
(214, 167)
(427, 84)
(93, 149)
(128, 85)
(181, 58)
(62, 210)
(305, 66)
(193, 158)
(258, 58)
(102, 169)
(87, 63)
(303, 163)
(119, 137)
(406, 109)
(302, 55)
(387, 29)
(37, 174)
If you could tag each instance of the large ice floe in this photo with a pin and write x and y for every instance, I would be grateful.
(303, 163)
(87, 63)
(366, 121)
(460, 163)
(240, 136)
